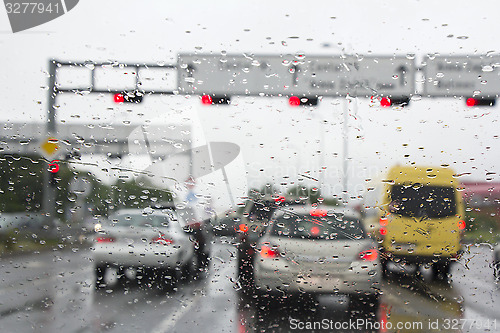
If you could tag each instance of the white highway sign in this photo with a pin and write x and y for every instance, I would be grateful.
(462, 76)
(296, 75)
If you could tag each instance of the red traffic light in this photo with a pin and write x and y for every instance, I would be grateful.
(118, 98)
(398, 101)
(471, 101)
(206, 99)
(128, 97)
(306, 101)
(294, 101)
(209, 100)
(385, 102)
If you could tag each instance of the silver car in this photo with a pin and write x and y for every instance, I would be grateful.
(150, 242)
(496, 263)
(318, 251)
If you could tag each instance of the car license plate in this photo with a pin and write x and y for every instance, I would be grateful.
(320, 281)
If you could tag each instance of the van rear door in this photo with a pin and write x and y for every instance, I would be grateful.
(423, 220)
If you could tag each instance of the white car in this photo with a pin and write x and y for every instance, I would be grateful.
(150, 242)
(318, 251)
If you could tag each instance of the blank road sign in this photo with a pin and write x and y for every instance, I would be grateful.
(296, 75)
(447, 76)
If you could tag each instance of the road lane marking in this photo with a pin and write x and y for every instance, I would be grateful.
(168, 323)
(216, 272)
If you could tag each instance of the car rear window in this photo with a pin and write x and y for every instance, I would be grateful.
(309, 227)
(139, 220)
(260, 212)
(419, 201)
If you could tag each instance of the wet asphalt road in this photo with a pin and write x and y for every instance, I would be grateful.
(55, 292)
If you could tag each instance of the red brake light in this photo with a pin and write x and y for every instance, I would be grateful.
(105, 239)
(314, 231)
(267, 252)
(162, 240)
(369, 255)
(280, 199)
(318, 212)
(383, 221)
(461, 225)
(206, 99)
(383, 231)
(118, 98)
(243, 227)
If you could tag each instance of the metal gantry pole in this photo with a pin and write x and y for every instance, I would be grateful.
(345, 137)
(49, 192)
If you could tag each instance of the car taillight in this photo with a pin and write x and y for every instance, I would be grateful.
(267, 252)
(383, 231)
(243, 227)
(461, 225)
(162, 240)
(314, 231)
(369, 255)
(105, 239)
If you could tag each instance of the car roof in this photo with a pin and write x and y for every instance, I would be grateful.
(140, 211)
(330, 210)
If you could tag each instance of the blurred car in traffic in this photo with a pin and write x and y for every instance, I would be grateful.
(418, 215)
(196, 226)
(318, 251)
(254, 219)
(150, 242)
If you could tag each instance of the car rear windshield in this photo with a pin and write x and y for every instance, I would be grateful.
(309, 227)
(140, 220)
(423, 201)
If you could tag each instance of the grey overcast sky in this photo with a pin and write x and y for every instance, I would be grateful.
(276, 139)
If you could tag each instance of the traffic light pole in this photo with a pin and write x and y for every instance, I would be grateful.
(345, 164)
(49, 191)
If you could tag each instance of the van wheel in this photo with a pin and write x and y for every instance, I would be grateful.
(385, 270)
(441, 270)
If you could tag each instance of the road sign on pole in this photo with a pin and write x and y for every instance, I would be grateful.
(448, 76)
(49, 147)
(291, 75)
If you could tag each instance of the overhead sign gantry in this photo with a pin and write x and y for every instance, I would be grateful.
(475, 77)
(287, 75)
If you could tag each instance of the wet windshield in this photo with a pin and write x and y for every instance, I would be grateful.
(150, 152)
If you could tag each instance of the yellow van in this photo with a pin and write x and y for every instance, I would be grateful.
(418, 216)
